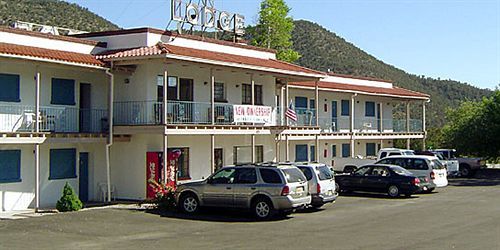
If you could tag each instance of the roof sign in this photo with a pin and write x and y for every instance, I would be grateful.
(205, 15)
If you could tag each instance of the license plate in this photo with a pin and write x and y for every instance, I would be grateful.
(300, 189)
(330, 192)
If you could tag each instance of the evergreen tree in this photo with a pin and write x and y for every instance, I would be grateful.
(69, 200)
(274, 29)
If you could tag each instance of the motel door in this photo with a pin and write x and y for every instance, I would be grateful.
(85, 105)
(335, 123)
(83, 177)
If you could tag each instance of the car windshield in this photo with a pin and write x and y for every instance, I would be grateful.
(439, 156)
(437, 164)
(293, 175)
(401, 171)
(324, 173)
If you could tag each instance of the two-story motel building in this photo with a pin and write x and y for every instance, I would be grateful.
(225, 105)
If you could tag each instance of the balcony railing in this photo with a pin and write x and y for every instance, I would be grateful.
(22, 118)
(306, 117)
(178, 112)
(368, 125)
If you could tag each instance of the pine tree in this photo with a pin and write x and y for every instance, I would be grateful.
(69, 200)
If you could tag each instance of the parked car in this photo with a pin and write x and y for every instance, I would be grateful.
(321, 182)
(390, 179)
(424, 167)
(265, 190)
(451, 165)
(467, 166)
(351, 164)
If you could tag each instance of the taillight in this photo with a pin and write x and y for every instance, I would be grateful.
(415, 181)
(427, 179)
(285, 191)
(318, 188)
(433, 176)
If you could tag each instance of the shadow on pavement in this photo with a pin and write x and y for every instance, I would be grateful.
(483, 177)
(377, 195)
(215, 215)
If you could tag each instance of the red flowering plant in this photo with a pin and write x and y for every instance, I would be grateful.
(164, 195)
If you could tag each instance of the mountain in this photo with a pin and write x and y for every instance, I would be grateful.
(53, 12)
(322, 49)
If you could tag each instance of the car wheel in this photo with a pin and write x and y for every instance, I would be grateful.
(465, 170)
(262, 209)
(393, 191)
(189, 203)
(337, 187)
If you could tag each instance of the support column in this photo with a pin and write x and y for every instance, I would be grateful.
(287, 98)
(165, 160)
(283, 106)
(287, 147)
(37, 146)
(424, 128)
(381, 111)
(352, 125)
(212, 96)
(278, 140)
(408, 141)
(110, 130)
(316, 96)
(165, 97)
(212, 153)
(316, 147)
(253, 149)
(253, 89)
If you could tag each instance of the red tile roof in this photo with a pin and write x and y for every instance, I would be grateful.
(367, 90)
(165, 49)
(64, 56)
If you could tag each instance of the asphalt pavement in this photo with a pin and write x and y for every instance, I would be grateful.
(464, 215)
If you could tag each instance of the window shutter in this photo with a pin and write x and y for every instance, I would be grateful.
(9, 88)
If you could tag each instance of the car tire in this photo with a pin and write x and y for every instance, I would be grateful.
(337, 187)
(262, 209)
(393, 191)
(189, 203)
(465, 170)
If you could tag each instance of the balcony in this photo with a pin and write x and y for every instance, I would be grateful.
(184, 113)
(22, 118)
(369, 125)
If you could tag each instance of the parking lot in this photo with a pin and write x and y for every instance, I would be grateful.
(464, 215)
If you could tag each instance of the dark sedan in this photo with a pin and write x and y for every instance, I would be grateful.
(390, 179)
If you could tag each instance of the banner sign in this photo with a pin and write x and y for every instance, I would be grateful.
(252, 114)
(206, 16)
(153, 172)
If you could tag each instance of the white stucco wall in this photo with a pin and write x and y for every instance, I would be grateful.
(128, 171)
(20, 195)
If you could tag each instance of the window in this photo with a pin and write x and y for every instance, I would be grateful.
(62, 164)
(362, 171)
(334, 150)
(10, 166)
(301, 152)
(270, 176)
(307, 172)
(243, 154)
(219, 92)
(172, 88)
(245, 176)
(246, 94)
(344, 108)
(380, 172)
(312, 152)
(293, 175)
(369, 109)
(182, 163)
(224, 176)
(63, 91)
(324, 173)
(246, 91)
(9, 88)
(370, 149)
(258, 95)
(346, 150)
(300, 102)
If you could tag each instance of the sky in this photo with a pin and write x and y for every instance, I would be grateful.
(449, 39)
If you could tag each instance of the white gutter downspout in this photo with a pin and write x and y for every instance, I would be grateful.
(110, 129)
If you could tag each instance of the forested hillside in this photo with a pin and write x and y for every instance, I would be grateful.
(322, 49)
(53, 12)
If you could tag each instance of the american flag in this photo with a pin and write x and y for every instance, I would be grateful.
(290, 112)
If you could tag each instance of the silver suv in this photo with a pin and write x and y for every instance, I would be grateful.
(322, 186)
(265, 189)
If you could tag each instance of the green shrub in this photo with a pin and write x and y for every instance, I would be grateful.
(69, 200)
